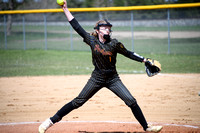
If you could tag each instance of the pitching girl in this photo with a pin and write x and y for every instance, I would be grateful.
(104, 52)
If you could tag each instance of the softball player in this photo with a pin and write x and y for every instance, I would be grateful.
(104, 52)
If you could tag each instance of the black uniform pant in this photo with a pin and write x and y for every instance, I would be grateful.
(94, 84)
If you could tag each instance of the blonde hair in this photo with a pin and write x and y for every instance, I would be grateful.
(94, 33)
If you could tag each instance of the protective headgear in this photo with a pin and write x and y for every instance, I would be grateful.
(102, 23)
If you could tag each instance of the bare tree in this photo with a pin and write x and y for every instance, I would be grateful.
(10, 5)
(9, 19)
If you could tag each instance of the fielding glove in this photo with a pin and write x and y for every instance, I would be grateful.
(152, 67)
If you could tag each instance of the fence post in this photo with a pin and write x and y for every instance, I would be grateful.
(168, 17)
(45, 31)
(132, 30)
(24, 32)
(5, 32)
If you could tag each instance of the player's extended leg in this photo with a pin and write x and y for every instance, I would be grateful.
(121, 91)
(87, 92)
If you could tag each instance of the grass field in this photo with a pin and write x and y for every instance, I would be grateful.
(63, 58)
(53, 62)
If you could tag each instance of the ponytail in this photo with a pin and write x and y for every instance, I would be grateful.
(94, 33)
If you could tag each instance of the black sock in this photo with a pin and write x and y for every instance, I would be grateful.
(139, 116)
(55, 118)
(67, 108)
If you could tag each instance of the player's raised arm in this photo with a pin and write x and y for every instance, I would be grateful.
(67, 12)
(74, 23)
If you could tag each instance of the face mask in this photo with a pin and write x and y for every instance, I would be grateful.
(107, 37)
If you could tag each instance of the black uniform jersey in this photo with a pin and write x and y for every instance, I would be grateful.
(104, 55)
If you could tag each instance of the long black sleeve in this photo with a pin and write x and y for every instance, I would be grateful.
(122, 50)
(77, 27)
(134, 56)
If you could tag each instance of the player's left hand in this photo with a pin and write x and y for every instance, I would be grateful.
(152, 67)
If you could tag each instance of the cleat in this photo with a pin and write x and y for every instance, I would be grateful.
(154, 129)
(45, 125)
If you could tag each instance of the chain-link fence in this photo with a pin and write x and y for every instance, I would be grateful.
(163, 31)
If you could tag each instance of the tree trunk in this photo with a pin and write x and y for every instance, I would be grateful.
(9, 25)
(9, 20)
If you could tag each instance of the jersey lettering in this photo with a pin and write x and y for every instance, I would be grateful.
(98, 49)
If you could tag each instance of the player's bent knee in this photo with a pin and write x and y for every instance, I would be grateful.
(131, 103)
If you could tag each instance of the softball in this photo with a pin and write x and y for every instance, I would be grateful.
(60, 2)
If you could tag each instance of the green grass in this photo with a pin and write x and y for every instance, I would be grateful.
(59, 59)
(52, 62)
(39, 62)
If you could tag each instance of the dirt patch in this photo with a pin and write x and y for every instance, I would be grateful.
(165, 98)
